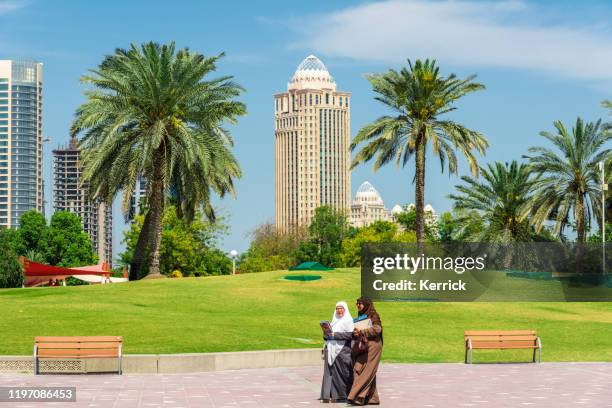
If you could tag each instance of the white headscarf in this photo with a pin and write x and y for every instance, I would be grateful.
(339, 324)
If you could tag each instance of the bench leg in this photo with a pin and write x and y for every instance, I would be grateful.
(471, 359)
(120, 359)
(534, 355)
(466, 355)
(540, 354)
(35, 360)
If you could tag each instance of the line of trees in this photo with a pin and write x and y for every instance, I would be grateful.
(559, 184)
(60, 242)
(186, 248)
(511, 201)
(153, 111)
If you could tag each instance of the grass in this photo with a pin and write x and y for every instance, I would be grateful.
(263, 311)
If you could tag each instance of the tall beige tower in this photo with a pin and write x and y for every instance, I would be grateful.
(312, 138)
(21, 143)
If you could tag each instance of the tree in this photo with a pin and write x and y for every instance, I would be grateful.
(12, 239)
(377, 232)
(32, 225)
(419, 96)
(596, 237)
(64, 243)
(569, 179)
(271, 249)
(188, 247)
(407, 219)
(326, 232)
(500, 199)
(151, 113)
(11, 271)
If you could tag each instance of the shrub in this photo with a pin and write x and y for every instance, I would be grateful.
(11, 271)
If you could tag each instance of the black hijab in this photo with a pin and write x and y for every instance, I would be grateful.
(369, 310)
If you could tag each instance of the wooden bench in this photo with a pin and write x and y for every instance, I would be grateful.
(501, 340)
(78, 348)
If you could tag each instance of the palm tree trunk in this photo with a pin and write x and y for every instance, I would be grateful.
(140, 251)
(580, 230)
(419, 193)
(580, 225)
(156, 212)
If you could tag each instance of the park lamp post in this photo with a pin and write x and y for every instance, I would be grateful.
(604, 187)
(234, 255)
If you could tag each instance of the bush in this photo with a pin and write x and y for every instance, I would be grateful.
(175, 274)
(270, 249)
(11, 271)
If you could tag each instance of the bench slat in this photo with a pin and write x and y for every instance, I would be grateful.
(77, 353)
(501, 338)
(503, 344)
(77, 339)
(505, 348)
(470, 333)
(100, 345)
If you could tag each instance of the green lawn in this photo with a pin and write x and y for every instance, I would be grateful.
(263, 311)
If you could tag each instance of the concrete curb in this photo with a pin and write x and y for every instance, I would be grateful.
(170, 363)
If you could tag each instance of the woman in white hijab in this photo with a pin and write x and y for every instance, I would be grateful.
(338, 365)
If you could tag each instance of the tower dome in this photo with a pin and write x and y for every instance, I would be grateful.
(367, 194)
(312, 74)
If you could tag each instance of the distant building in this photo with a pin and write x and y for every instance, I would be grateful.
(70, 195)
(21, 140)
(140, 192)
(397, 209)
(368, 207)
(312, 138)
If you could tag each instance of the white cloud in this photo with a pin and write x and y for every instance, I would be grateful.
(466, 33)
(10, 6)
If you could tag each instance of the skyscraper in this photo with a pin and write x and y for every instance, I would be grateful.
(21, 140)
(69, 194)
(312, 137)
(140, 192)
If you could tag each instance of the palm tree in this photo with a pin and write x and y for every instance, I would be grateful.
(418, 96)
(152, 113)
(569, 179)
(500, 200)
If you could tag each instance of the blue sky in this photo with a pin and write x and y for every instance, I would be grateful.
(540, 61)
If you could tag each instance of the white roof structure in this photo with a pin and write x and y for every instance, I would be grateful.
(398, 209)
(312, 74)
(367, 194)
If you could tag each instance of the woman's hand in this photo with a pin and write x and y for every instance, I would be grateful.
(355, 332)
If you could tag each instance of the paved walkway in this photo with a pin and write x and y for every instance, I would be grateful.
(555, 385)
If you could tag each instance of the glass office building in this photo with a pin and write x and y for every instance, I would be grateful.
(21, 141)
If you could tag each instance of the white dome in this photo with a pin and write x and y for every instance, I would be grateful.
(312, 74)
(429, 208)
(396, 209)
(367, 194)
